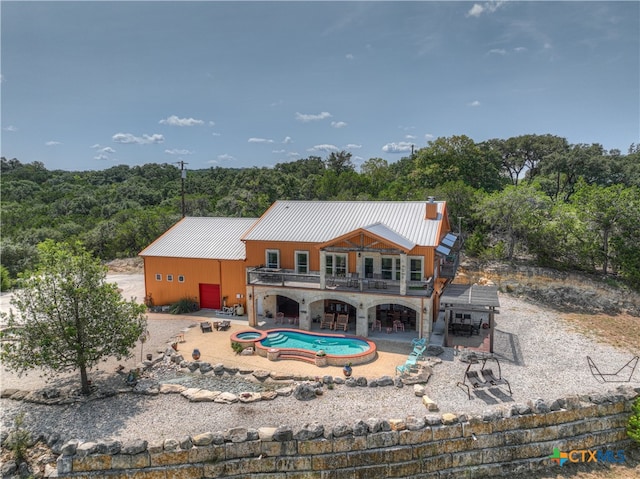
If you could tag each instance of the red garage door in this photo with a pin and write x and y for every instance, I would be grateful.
(209, 296)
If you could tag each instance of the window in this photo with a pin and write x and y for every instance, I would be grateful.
(368, 267)
(390, 268)
(169, 277)
(302, 262)
(158, 277)
(415, 269)
(181, 279)
(336, 264)
(273, 258)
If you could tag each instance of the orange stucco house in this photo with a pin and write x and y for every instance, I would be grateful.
(373, 260)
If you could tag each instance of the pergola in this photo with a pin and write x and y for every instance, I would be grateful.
(463, 298)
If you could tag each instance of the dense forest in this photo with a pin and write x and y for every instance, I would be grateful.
(533, 198)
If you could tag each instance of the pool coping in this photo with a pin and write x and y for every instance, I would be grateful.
(305, 354)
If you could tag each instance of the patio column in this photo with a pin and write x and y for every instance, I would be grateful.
(362, 322)
(323, 269)
(403, 274)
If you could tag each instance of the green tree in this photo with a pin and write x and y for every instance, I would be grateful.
(514, 214)
(68, 316)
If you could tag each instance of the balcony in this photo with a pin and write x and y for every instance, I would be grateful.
(290, 279)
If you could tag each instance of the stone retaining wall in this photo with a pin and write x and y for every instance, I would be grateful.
(499, 443)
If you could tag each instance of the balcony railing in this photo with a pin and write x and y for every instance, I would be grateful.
(311, 280)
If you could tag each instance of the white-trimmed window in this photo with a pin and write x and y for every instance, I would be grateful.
(169, 277)
(272, 258)
(158, 277)
(180, 278)
(415, 268)
(302, 262)
(390, 268)
(336, 265)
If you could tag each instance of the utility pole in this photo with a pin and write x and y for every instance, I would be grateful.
(183, 175)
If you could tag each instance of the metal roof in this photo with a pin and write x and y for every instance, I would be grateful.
(470, 295)
(202, 238)
(322, 221)
(383, 232)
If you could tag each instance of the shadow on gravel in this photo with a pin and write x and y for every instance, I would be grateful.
(506, 347)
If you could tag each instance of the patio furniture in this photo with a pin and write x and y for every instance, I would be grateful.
(353, 281)
(205, 326)
(418, 342)
(398, 325)
(488, 375)
(613, 377)
(230, 310)
(418, 351)
(342, 322)
(223, 325)
(377, 282)
(279, 318)
(472, 378)
(376, 324)
(327, 320)
(293, 320)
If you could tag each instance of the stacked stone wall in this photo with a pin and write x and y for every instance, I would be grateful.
(499, 443)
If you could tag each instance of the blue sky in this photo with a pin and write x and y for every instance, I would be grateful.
(90, 85)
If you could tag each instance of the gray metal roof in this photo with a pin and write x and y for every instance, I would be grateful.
(382, 231)
(471, 295)
(322, 221)
(202, 238)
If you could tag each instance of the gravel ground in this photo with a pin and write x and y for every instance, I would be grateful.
(539, 353)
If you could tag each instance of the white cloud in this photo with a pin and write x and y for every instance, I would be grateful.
(349, 56)
(225, 157)
(10, 128)
(520, 49)
(428, 136)
(140, 140)
(497, 51)
(215, 134)
(278, 152)
(305, 117)
(325, 148)
(287, 140)
(401, 147)
(212, 123)
(486, 7)
(173, 120)
(338, 124)
(108, 149)
(176, 151)
(409, 137)
(259, 140)
(474, 103)
(352, 146)
(293, 154)
(53, 143)
(101, 157)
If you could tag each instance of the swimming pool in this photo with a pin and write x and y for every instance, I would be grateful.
(303, 345)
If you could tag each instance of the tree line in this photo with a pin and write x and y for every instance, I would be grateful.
(532, 197)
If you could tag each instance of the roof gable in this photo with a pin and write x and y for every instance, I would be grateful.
(379, 232)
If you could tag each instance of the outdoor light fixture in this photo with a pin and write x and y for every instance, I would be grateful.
(250, 296)
(424, 310)
(302, 301)
(361, 306)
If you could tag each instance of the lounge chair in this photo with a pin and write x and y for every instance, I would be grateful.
(491, 378)
(224, 325)
(472, 378)
(403, 369)
(206, 326)
(342, 322)
(327, 320)
(419, 341)
(418, 351)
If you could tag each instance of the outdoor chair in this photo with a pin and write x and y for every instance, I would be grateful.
(230, 310)
(491, 378)
(327, 320)
(418, 342)
(377, 324)
(353, 281)
(279, 318)
(472, 378)
(418, 351)
(403, 369)
(613, 377)
(205, 326)
(224, 325)
(342, 322)
(398, 325)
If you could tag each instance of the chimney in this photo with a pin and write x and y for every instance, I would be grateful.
(431, 212)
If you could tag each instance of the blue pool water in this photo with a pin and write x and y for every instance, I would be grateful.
(249, 335)
(333, 345)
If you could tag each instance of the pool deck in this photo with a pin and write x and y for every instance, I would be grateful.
(215, 347)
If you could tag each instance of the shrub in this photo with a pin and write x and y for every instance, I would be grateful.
(185, 305)
(633, 426)
(19, 439)
(237, 347)
(5, 280)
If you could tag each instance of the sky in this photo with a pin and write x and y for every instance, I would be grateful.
(91, 85)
